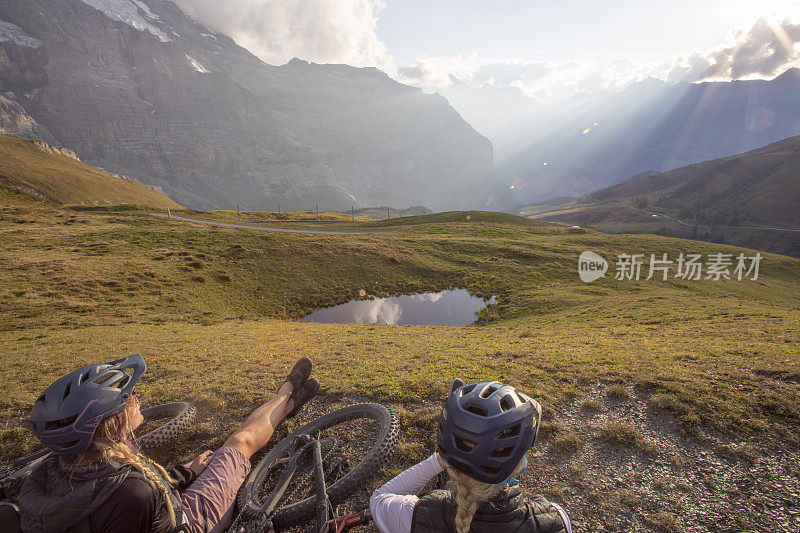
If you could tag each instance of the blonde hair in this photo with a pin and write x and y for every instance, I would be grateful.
(112, 443)
(469, 493)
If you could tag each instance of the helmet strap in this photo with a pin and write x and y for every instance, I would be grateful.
(512, 481)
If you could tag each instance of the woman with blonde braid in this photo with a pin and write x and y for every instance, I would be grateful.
(485, 431)
(97, 480)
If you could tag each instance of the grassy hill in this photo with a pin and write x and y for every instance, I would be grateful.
(35, 168)
(682, 385)
(744, 199)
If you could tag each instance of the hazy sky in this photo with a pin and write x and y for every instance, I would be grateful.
(548, 49)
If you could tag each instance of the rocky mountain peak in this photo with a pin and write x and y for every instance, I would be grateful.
(137, 87)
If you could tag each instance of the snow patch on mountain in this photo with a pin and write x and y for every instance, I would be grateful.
(32, 94)
(11, 33)
(128, 11)
(146, 9)
(196, 65)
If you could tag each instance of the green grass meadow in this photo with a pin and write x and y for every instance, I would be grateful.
(212, 309)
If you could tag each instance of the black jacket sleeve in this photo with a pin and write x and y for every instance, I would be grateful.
(183, 477)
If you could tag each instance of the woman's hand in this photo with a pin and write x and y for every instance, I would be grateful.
(441, 461)
(201, 461)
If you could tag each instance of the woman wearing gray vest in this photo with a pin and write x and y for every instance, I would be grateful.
(484, 434)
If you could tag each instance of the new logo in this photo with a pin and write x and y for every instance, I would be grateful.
(591, 266)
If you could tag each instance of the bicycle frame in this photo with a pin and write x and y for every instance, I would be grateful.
(319, 479)
(322, 524)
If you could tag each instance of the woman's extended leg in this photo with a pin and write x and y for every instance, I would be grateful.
(261, 424)
(209, 501)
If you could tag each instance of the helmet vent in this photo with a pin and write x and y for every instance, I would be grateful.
(508, 433)
(467, 389)
(461, 466)
(58, 424)
(464, 445)
(490, 470)
(102, 379)
(476, 409)
(488, 391)
(66, 391)
(82, 377)
(505, 403)
(120, 382)
(502, 452)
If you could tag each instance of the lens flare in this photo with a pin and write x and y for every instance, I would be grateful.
(586, 131)
(519, 183)
(759, 119)
(545, 164)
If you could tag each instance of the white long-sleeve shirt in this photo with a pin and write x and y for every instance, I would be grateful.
(392, 504)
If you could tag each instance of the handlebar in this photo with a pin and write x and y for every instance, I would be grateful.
(345, 523)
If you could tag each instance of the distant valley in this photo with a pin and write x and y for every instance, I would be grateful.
(595, 141)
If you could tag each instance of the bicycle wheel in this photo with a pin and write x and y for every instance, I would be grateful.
(180, 415)
(363, 435)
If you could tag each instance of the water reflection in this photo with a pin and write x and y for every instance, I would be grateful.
(455, 307)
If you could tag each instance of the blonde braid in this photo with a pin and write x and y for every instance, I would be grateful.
(109, 448)
(122, 453)
(469, 493)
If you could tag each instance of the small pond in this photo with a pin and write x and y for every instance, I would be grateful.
(454, 307)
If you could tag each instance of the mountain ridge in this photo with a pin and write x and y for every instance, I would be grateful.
(57, 175)
(722, 200)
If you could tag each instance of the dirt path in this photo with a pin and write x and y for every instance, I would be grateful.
(261, 228)
(662, 215)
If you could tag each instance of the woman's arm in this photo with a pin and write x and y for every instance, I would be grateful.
(392, 505)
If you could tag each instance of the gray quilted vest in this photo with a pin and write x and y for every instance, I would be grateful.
(508, 512)
(54, 500)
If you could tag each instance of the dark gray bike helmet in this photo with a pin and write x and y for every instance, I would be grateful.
(486, 428)
(67, 414)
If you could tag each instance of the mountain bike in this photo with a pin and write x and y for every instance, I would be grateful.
(325, 461)
(161, 424)
(315, 469)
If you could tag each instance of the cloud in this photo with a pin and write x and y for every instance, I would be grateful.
(428, 71)
(543, 81)
(378, 311)
(766, 49)
(322, 31)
